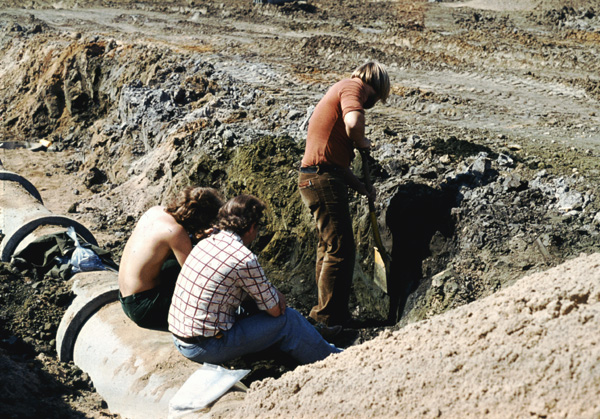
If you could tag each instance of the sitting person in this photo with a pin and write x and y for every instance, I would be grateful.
(217, 276)
(156, 250)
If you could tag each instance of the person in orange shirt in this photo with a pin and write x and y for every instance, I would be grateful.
(335, 129)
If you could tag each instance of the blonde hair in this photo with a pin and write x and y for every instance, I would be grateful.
(376, 76)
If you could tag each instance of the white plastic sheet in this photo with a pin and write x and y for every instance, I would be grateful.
(83, 259)
(203, 387)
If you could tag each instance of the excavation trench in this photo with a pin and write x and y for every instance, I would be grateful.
(422, 230)
(137, 371)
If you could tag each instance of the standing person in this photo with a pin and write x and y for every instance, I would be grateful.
(335, 129)
(156, 250)
(217, 276)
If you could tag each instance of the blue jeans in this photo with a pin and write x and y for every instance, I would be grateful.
(291, 332)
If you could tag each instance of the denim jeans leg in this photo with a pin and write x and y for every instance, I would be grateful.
(302, 341)
(290, 331)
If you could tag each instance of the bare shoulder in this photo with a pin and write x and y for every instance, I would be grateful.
(156, 212)
(157, 222)
(157, 215)
(167, 223)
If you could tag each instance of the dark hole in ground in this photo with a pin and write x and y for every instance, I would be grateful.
(421, 223)
(415, 215)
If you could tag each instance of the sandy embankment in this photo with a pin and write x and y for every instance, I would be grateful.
(530, 350)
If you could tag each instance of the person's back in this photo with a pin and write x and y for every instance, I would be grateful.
(156, 250)
(327, 141)
(156, 236)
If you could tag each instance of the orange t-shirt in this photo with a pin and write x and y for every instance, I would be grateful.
(327, 141)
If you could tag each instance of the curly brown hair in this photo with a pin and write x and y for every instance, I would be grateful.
(195, 208)
(240, 213)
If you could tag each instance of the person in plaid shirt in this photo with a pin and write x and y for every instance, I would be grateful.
(218, 275)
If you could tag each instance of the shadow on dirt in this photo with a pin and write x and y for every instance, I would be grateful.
(29, 389)
(416, 214)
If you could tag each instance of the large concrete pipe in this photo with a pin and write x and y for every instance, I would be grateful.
(23, 216)
(137, 371)
(27, 185)
(93, 290)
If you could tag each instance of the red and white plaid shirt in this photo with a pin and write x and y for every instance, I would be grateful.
(215, 278)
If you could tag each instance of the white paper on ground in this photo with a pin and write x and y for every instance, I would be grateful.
(202, 388)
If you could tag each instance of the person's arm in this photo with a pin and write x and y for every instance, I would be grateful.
(355, 129)
(181, 245)
(264, 293)
(354, 122)
(355, 183)
(278, 309)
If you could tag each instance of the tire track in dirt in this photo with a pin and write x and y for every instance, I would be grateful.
(479, 100)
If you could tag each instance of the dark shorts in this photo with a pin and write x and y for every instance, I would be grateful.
(150, 308)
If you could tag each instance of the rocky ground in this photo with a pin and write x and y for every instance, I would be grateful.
(485, 156)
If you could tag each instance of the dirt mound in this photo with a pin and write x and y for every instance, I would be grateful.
(530, 350)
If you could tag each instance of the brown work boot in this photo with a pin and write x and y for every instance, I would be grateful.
(328, 332)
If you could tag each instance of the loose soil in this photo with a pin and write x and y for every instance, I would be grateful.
(485, 161)
(508, 355)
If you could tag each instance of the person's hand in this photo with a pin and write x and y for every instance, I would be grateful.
(282, 302)
(368, 191)
(371, 193)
